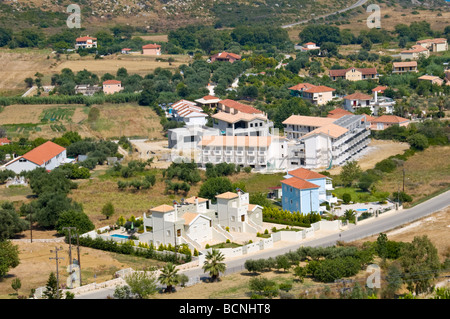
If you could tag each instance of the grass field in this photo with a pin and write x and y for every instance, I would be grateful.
(134, 63)
(50, 121)
(425, 173)
(18, 64)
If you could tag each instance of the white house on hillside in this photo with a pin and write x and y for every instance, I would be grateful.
(48, 155)
(196, 222)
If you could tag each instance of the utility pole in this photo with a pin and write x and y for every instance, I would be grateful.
(70, 244)
(57, 269)
(79, 262)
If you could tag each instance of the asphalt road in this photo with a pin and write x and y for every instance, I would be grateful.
(357, 4)
(369, 228)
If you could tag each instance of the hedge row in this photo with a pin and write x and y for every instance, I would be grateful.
(129, 249)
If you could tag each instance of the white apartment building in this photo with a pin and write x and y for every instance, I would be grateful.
(188, 137)
(316, 142)
(196, 221)
(242, 124)
(259, 152)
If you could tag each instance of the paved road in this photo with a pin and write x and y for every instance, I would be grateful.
(353, 6)
(369, 227)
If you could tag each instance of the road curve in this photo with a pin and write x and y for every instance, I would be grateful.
(353, 6)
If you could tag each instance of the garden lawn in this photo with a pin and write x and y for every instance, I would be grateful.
(357, 194)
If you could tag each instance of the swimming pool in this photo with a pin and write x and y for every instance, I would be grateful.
(120, 236)
(361, 210)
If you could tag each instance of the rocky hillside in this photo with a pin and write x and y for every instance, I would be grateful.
(161, 15)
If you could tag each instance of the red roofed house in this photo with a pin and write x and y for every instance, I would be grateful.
(126, 50)
(48, 155)
(85, 43)
(434, 45)
(316, 94)
(308, 47)
(226, 57)
(414, 53)
(354, 74)
(403, 67)
(233, 107)
(304, 190)
(151, 49)
(385, 121)
(112, 86)
(209, 101)
(4, 141)
(357, 100)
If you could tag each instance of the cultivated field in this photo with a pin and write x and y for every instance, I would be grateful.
(50, 121)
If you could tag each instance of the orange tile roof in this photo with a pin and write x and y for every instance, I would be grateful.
(428, 77)
(4, 140)
(299, 183)
(358, 96)
(301, 86)
(415, 49)
(191, 200)
(111, 82)
(404, 64)
(380, 89)
(233, 118)
(189, 217)
(342, 72)
(151, 46)
(332, 130)
(390, 119)
(319, 89)
(369, 118)
(244, 108)
(226, 55)
(338, 112)
(210, 97)
(437, 40)
(83, 39)
(162, 209)
(43, 153)
(227, 195)
(306, 174)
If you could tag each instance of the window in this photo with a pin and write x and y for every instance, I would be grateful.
(178, 232)
(168, 233)
(243, 218)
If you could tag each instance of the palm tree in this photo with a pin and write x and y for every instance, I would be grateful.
(169, 276)
(350, 214)
(214, 264)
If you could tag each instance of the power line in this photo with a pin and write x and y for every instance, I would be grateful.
(57, 270)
